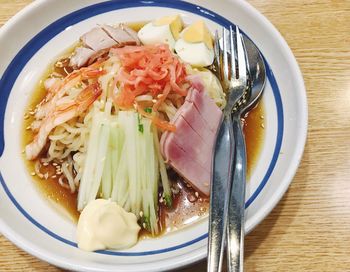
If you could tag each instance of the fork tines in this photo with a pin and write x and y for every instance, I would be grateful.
(230, 60)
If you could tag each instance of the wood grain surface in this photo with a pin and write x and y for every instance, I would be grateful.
(309, 230)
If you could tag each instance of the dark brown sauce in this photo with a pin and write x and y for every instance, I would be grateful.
(54, 192)
(50, 186)
(254, 132)
(188, 206)
(186, 201)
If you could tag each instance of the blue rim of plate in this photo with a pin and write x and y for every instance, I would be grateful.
(28, 51)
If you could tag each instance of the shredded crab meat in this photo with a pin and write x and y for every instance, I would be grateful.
(151, 70)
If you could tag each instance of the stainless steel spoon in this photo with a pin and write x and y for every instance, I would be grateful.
(235, 224)
(234, 82)
(257, 75)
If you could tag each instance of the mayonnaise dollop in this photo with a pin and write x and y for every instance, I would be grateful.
(104, 224)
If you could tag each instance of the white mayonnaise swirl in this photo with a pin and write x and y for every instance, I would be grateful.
(104, 224)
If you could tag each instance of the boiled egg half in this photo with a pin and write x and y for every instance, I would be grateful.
(195, 45)
(163, 30)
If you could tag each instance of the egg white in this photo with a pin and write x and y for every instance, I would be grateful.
(151, 34)
(196, 54)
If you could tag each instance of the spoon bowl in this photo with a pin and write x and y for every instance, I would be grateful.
(257, 70)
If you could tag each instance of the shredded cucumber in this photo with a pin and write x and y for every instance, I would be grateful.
(90, 161)
(106, 185)
(164, 176)
(123, 163)
(100, 161)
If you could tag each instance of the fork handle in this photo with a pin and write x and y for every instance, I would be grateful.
(222, 168)
(235, 225)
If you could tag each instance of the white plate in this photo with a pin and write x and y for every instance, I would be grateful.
(35, 36)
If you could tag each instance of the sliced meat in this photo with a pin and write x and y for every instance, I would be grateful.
(189, 149)
(186, 163)
(81, 56)
(192, 116)
(188, 139)
(99, 40)
(210, 112)
(131, 32)
(196, 82)
(121, 36)
(102, 54)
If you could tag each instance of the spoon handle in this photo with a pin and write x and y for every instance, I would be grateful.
(222, 169)
(235, 225)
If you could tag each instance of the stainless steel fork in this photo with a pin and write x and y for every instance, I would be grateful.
(230, 51)
(236, 203)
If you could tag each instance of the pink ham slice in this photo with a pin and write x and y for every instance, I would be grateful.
(98, 40)
(189, 149)
(191, 142)
(206, 108)
(185, 164)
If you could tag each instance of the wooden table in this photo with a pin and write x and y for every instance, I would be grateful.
(309, 230)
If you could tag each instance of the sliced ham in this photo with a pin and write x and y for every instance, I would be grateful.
(186, 165)
(193, 117)
(208, 111)
(189, 149)
(99, 40)
(190, 141)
